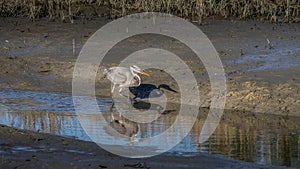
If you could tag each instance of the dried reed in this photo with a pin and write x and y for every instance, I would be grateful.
(66, 10)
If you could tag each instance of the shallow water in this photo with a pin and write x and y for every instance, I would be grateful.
(272, 59)
(262, 139)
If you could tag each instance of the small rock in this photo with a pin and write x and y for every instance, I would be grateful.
(102, 166)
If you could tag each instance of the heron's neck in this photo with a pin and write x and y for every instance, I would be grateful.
(133, 72)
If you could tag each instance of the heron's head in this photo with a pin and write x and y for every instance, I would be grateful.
(105, 71)
(138, 70)
(135, 68)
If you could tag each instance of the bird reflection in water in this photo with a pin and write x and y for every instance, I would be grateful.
(124, 126)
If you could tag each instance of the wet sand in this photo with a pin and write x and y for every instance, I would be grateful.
(39, 56)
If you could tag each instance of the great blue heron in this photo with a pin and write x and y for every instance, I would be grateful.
(123, 77)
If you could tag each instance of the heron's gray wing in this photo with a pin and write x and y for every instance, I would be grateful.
(117, 75)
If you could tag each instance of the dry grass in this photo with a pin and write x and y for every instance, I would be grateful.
(66, 10)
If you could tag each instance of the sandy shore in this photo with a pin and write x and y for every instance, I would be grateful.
(39, 56)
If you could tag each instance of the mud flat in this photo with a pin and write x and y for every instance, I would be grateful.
(261, 77)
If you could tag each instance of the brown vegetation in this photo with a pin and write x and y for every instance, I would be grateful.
(66, 10)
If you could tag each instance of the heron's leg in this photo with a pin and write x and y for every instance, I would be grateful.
(121, 94)
(112, 106)
(128, 98)
(113, 88)
(111, 111)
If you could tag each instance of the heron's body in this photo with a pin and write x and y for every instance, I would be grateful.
(123, 77)
(120, 76)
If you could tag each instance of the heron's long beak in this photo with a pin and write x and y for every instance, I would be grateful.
(144, 73)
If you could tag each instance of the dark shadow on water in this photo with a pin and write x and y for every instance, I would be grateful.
(149, 90)
(142, 105)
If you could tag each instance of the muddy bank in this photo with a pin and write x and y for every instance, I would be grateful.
(260, 60)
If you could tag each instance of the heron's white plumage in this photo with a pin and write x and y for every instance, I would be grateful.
(123, 77)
